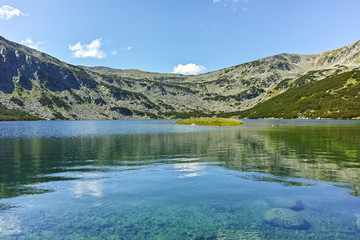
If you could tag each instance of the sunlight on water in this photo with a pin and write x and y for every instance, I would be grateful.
(298, 180)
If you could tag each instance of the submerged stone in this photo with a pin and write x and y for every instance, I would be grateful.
(282, 202)
(357, 215)
(4, 207)
(286, 218)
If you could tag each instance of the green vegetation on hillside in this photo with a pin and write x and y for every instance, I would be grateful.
(210, 122)
(15, 115)
(291, 83)
(335, 97)
(183, 115)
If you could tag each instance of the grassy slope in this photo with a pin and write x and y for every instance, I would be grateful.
(334, 97)
(210, 122)
(15, 115)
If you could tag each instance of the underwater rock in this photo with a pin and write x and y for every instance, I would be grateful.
(286, 218)
(9, 225)
(281, 202)
(238, 234)
(4, 207)
(357, 215)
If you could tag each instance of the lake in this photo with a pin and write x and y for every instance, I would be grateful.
(153, 179)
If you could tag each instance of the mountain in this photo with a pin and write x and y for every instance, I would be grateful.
(335, 97)
(37, 84)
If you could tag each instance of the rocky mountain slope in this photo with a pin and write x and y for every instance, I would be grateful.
(335, 97)
(45, 87)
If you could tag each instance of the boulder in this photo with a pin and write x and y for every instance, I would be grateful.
(282, 202)
(286, 218)
(357, 215)
(4, 207)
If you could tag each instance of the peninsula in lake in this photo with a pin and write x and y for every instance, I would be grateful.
(34, 85)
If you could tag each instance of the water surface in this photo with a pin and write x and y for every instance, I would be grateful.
(157, 180)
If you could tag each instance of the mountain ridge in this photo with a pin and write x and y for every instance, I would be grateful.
(43, 86)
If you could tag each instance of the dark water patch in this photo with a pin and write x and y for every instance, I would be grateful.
(284, 181)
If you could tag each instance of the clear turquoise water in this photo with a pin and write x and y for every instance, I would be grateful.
(157, 180)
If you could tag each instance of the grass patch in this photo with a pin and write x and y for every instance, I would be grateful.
(210, 122)
(15, 115)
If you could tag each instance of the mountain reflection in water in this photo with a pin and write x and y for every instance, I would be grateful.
(322, 153)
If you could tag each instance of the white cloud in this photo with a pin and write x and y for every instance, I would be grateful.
(115, 52)
(92, 188)
(234, 1)
(127, 48)
(189, 169)
(231, 1)
(7, 12)
(188, 69)
(88, 50)
(30, 43)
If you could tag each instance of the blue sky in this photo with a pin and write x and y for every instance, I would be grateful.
(168, 35)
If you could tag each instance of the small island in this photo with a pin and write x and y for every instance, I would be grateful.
(210, 122)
